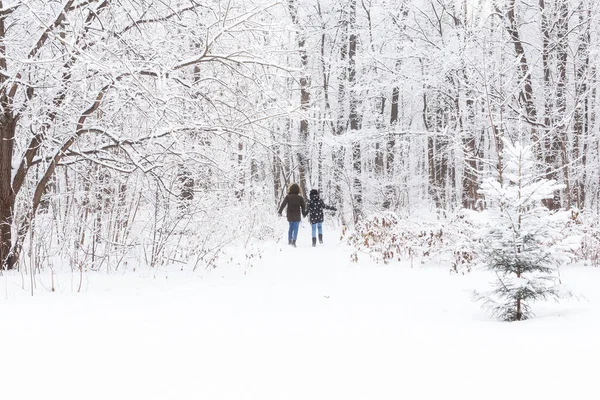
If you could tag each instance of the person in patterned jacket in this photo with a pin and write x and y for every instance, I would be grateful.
(315, 209)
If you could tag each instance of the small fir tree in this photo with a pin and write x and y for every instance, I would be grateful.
(518, 236)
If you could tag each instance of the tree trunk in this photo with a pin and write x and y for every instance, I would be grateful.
(7, 134)
(338, 154)
(526, 94)
(302, 153)
(470, 179)
(277, 173)
(400, 21)
(7, 196)
(391, 146)
(550, 147)
(562, 49)
(430, 152)
(354, 117)
(379, 154)
(581, 116)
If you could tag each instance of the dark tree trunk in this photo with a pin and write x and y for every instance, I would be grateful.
(302, 153)
(354, 117)
(437, 147)
(7, 196)
(379, 154)
(7, 134)
(431, 164)
(391, 143)
(391, 146)
(338, 154)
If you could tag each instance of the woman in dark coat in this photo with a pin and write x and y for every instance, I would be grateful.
(296, 207)
(315, 209)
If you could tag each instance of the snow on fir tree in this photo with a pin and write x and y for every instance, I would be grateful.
(520, 238)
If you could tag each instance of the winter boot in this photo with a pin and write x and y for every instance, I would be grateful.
(314, 242)
(294, 243)
(290, 242)
(320, 238)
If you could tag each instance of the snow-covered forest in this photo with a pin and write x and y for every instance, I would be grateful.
(160, 131)
(146, 147)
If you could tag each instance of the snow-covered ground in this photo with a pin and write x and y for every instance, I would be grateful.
(300, 323)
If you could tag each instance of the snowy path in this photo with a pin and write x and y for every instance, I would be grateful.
(301, 324)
